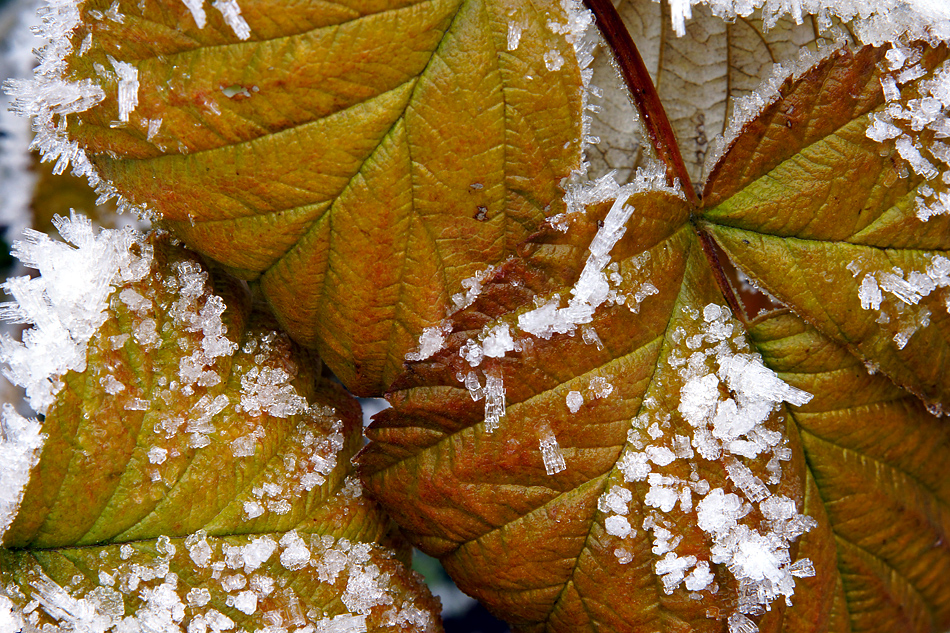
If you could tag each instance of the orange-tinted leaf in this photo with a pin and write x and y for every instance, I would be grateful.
(601, 540)
(196, 475)
(361, 161)
(825, 219)
(876, 477)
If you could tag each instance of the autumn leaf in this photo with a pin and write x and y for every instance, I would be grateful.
(699, 77)
(196, 474)
(779, 204)
(602, 420)
(875, 482)
(359, 161)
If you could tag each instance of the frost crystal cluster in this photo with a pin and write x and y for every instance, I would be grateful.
(915, 120)
(66, 304)
(250, 571)
(50, 95)
(900, 310)
(751, 528)
(875, 21)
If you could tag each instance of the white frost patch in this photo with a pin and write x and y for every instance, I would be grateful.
(10, 618)
(738, 623)
(166, 605)
(579, 21)
(875, 22)
(514, 34)
(918, 125)
(494, 400)
(49, 95)
(344, 623)
(66, 304)
(20, 444)
(727, 397)
(157, 455)
(553, 61)
(574, 400)
(431, 341)
(551, 452)
(618, 526)
(900, 310)
(197, 12)
(600, 388)
(472, 286)
(269, 390)
(498, 342)
(231, 12)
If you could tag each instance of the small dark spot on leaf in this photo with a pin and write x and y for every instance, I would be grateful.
(745, 241)
(600, 224)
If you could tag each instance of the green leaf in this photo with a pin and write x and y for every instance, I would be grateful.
(812, 209)
(360, 161)
(199, 477)
(598, 498)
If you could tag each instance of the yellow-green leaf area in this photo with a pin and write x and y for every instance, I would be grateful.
(196, 476)
(827, 219)
(360, 161)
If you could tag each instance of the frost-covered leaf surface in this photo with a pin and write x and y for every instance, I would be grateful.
(825, 212)
(195, 476)
(609, 447)
(598, 443)
(698, 76)
(360, 159)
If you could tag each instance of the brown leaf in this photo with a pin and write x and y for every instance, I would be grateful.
(699, 78)
(537, 544)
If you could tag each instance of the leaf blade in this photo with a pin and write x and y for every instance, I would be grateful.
(377, 147)
(189, 481)
(873, 454)
(832, 214)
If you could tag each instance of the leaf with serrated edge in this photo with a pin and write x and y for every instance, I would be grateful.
(361, 161)
(811, 208)
(876, 482)
(162, 499)
(698, 76)
(540, 548)
(532, 512)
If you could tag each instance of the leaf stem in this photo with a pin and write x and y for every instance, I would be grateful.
(641, 87)
(710, 249)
